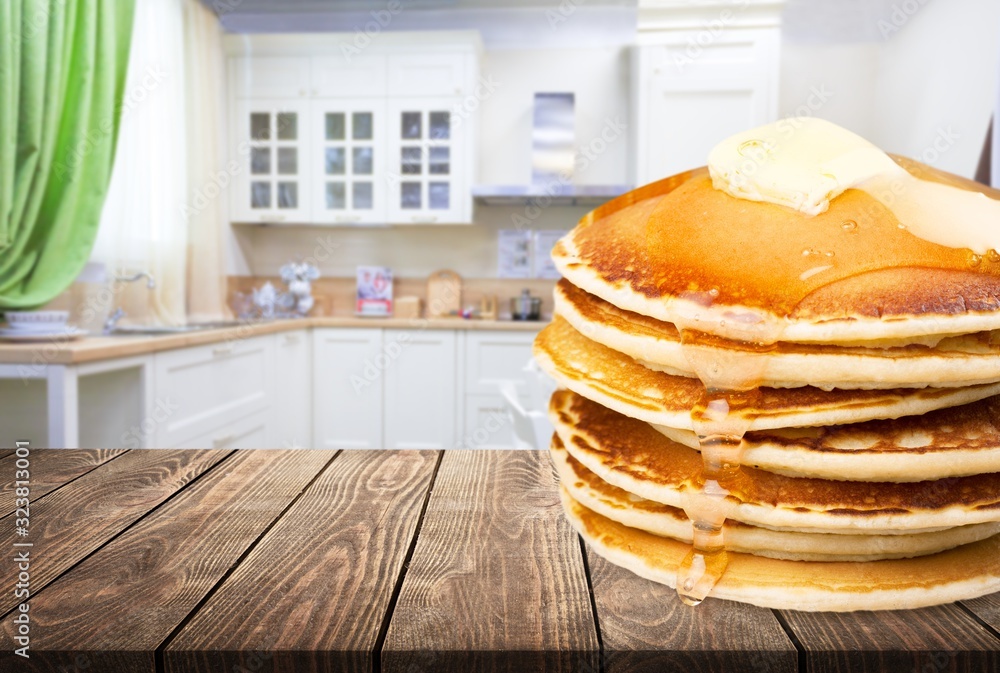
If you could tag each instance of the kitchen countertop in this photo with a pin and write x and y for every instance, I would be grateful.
(405, 561)
(92, 348)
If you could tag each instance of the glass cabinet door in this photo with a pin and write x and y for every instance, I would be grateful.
(428, 169)
(349, 138)
(273, 186)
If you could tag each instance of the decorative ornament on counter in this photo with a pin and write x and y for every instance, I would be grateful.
(299, 276)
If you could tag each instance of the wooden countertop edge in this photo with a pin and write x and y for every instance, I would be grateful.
(92, 349)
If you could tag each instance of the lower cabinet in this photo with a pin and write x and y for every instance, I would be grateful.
(421, 389)
(293, 391)
(251, 432)
(348, 368)
(203, 391)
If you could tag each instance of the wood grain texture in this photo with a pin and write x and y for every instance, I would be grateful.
(71, 522)
(987, 609)
(929, 640)
(497, 580)
(645, 627)
(312, 595)
(48, 470)
(139, 587)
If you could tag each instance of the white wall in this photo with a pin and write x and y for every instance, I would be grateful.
(910, 80)
(939, 72)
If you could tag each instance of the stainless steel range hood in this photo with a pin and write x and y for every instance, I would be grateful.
(553, 157)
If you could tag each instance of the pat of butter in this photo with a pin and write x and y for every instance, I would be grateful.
(802, 163)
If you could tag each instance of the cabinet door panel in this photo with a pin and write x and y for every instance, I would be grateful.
(349, 162)
(347, 388)
(427, 159)
(272, 184)
(292, 426)
(494, 357)
(285, 77)
(339, 77)
(426, 74)
(420, 389)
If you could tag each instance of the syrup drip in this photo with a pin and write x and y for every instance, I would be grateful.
(725, 412)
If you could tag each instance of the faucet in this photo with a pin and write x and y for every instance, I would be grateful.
(119, 313)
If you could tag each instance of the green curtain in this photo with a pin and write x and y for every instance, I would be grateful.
(62, 75)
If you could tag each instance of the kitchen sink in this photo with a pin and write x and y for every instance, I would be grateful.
(153, 330)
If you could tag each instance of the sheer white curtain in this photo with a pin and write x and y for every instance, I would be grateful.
(206, 211)
(168, 145)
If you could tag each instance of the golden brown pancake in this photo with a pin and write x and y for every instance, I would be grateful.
(679, 244)
(954, 361)
(635, 457)
(634, 511)
(620, 383)
(953, 442)
(962, 573)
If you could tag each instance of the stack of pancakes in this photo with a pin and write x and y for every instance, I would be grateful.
(869, 471)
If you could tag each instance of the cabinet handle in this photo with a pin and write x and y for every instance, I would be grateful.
(272, 218)
(315, 92)
(222, 351)
(348, 218)
(302, 92)
(218, 442)
(291, 339)
(424, 219)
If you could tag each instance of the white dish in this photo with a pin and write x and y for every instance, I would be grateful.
(34, 320)
(34, 336)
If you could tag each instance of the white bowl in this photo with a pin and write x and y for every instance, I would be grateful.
(37, 320)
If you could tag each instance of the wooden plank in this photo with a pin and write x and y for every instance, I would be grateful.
(71, 522)
(123, 601)
(313, 594)
(497, 579)
(6, 452)
(941, 638)
(48, 470)
(645, 627)
(986, 609)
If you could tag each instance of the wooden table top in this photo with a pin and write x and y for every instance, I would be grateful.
(403, 561)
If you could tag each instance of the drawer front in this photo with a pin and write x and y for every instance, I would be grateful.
(491, 423)
(247, 433)
(209, 387)
(495, 357)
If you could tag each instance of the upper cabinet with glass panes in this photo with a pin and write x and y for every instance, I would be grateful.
(325, 133)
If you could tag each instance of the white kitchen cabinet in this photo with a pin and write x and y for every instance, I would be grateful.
(694, 85)
(494, 360)
(276, 77)
(251, 432)
(427, 74)
(292, 415)
(428, 162)
(488, 423)
(205, 389)
(377, 139)
(348, 376)
(348, 77)
(421, 389)
(348, 149)
(273, 184)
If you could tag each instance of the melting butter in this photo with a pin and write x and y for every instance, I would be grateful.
(804, 163)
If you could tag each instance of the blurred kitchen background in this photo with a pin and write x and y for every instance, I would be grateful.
(397, 171)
